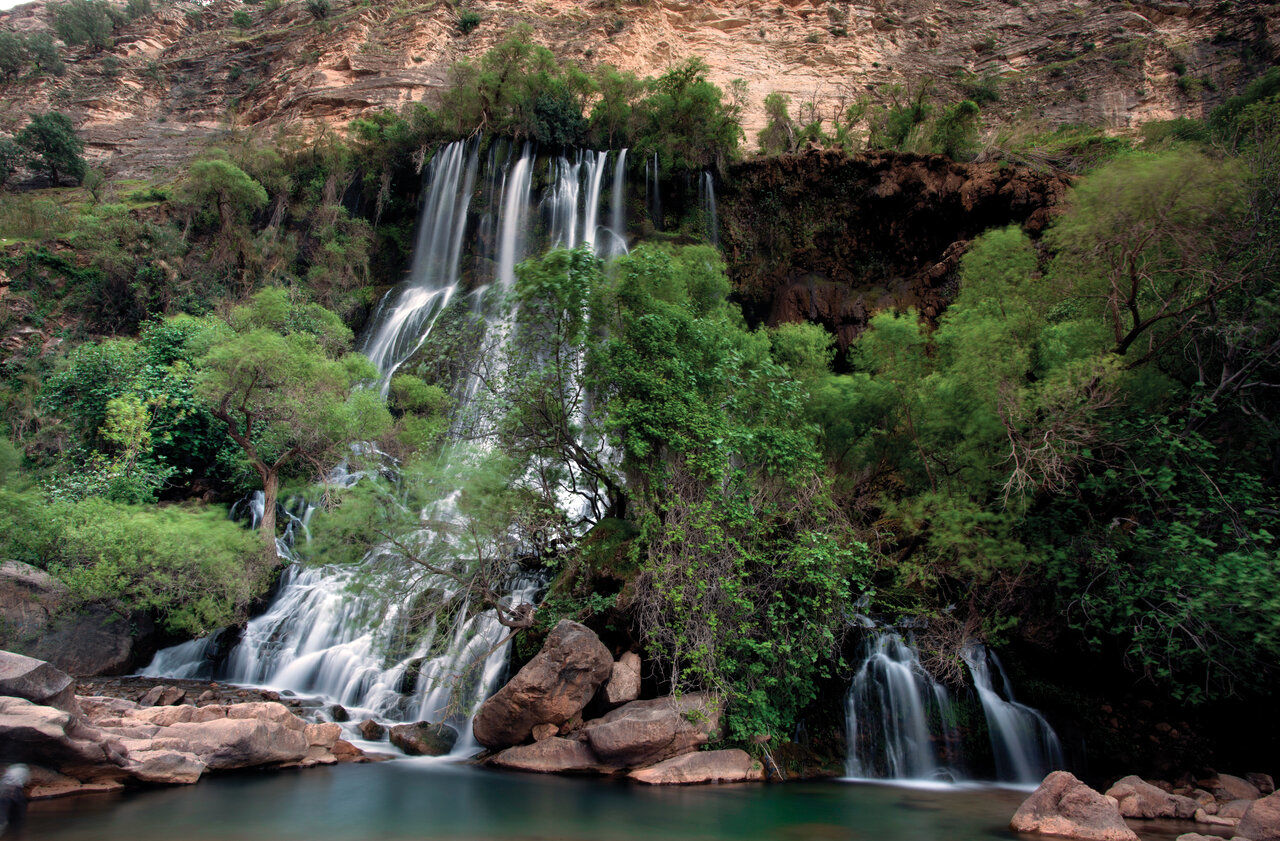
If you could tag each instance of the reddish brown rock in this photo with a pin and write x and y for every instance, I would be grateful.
(1064, 807)
(1227, 787)
(1261, 821)
(37, 681)
(371, 730)
(1138, 798)
(544, 731)
(552, 756)
(624, 680)
(423, 738)
(162, 696)
(712, 766)
(645, 732)
(552, 687)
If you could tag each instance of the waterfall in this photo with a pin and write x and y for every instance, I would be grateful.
(404, 318)
(1025, 746)
(618, 206)
(653, 192)
(707, 202)
(902, 724)
(376, 656)
(900, 720)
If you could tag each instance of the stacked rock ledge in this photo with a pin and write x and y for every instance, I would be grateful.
(534, 723)
(98, 743)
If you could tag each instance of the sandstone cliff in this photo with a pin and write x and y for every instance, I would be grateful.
(186, 73)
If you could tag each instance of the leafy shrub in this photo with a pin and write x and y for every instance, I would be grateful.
(468, 19)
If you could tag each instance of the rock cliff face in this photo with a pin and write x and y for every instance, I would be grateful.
(186, 73)
(832, 238)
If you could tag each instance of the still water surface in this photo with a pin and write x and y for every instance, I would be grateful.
(409, 799)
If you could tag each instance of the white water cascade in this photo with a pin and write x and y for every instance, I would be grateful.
(321, 636)
(900, 720)
(1025, 746)
(707, 203)
(902, 724)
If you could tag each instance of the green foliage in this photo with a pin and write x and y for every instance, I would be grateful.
(191, 567)
(44, 54)
(282, 381)
(52, 145)
(135, 9)
(217, 183)
(241, 19)
(11, 159)
(778, 136)
(955, 132)
(687, 122)
(318, 9)
(87, 22)
(13, 55)
(746, 569)
(1225, 119)
(468, 20)
(1172, 555)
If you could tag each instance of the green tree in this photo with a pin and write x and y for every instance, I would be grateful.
(87, 22)
(52, 145)
(13, 54)
(778, 136)
(135, 9)
(282, 381)
(215, 180)
(687, 122)
(44, 54)
(241, 19)
(11, 159)
(955, 132)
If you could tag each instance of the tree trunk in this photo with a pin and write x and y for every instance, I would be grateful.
(270, 490)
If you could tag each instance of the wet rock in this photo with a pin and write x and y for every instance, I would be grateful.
(1227, 788)
(1261, 821)
(1140, 799)
(207, 697)
(624, 680)
(551, 756)
(712, 766)
(339, 713)
(37, 681)
(544, 731)
(162, 696)
(323, 735)
(552, 687)
(344, 751)
(645, 732)
(37, 618)
(1063, 806)
(371, 730)
(423, 739)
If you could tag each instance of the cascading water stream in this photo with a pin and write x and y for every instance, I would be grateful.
(1025, 746)
(320, 636)
(707, 203)
(902, 724)
(900, 720)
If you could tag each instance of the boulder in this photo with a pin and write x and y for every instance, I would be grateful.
(1214, 819)
(624, 680)
(1235, 809)
(162, 696)
(39, 619)
(1263, 782)
(552, 687)
(645, 732)
(371, 730)
(1227, 788)
(55, 739)
(227, 744)
(552, 756)
(1261, 821)
(424, 739)
(711, 766)
(169, 767)
(544, 731)
(1063, 806)
(323, 735)
(37, 681)
(1140, 799)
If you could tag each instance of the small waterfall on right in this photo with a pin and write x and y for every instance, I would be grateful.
(902, 724)
(1023, 742)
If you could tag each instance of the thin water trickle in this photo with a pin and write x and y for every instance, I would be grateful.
(1025, 746)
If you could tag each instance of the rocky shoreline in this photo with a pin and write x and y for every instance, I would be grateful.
(107, 734)
(1225, 806)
